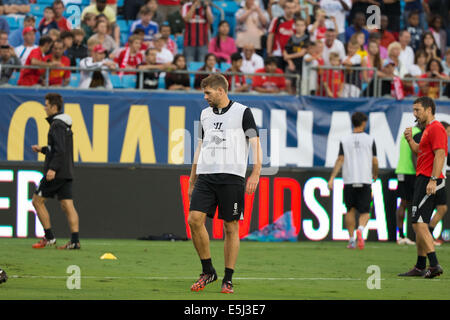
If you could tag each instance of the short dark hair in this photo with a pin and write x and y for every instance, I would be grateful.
(236, 57)
(58, 2)
(55, 99)
(66, 34)
(44, 40)
(441, 68)
(270, 60)
(426, 102)
(445, 124)
(358, 118)
(215, 81)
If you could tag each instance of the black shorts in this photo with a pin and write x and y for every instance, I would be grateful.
(405, 188)
(59, 187)
(358, 196)
(229, 197)
(423, 205)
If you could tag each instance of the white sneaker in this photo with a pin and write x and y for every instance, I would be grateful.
(401, 241)
(409, 242)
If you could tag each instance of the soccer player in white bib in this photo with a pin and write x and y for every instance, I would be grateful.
(227, 130)
(358, 157)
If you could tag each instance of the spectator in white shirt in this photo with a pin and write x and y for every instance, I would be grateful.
(407, 53)
(420, 64)
(163, 55)
(250, 60)
(337, 9)
(99, 75)
(29, 36)
(332, 45)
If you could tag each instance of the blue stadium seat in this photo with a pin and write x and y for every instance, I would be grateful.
(12, 22)
(123, 38)
(74, 80)
(123, 25)
(224, 66)
(129, 81)
(180, 43)
(116, 81)
(14, 78)
(120, 3)
(86, 2)
(195, 65)
(46, 2)
(37, 9)
(162, 81)
(229, 7)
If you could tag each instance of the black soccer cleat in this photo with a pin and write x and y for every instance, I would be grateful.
(3, 276)
(205, 279)
(414, 272)
(70, 246)
(433, 272)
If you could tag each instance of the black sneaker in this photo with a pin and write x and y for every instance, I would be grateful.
(205, 279)
(3, 276)
(433, 272)
(414, 272)
(70, 246)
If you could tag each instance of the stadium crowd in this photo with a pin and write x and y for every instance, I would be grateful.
(327, 44)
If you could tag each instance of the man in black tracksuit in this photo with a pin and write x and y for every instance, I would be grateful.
(58, 173)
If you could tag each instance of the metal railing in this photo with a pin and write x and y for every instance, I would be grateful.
(368, 82)
(139, 75)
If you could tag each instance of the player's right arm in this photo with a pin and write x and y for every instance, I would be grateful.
(337, 167)
(412, 144)
(193, 176)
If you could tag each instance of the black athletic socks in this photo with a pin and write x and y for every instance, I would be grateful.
(228, 275)
(207, 266)
(49, 234)
(421, 262)
(433, 259)
(75, 238)
(400, 233)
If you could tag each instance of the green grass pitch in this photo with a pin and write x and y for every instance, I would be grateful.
(160, 270)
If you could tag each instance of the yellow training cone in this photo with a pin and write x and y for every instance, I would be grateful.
(108, 256)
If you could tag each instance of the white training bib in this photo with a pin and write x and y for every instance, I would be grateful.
(225, 146)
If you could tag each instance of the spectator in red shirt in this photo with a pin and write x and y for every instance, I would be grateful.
(431, 88)
(31, 77)
(280, 31)
(386, 37)
(58, 77)
(269, 84)
(332, 83)
(130, 57)
(240, 82)
(58, 8)
(198, 17)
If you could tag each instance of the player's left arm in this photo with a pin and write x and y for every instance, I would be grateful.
(439, 146)
(438, 167)
(253, 180)
(374, 162)
(251, 132)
